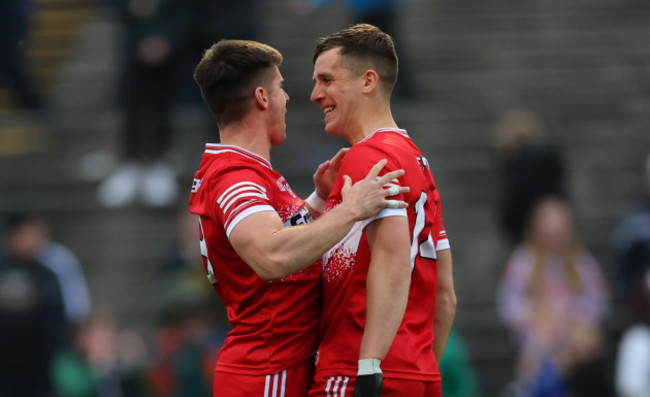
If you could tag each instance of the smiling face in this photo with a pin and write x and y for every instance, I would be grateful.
(338, 92)
(278, 99)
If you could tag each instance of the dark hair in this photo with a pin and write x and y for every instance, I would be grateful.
(365, 47)
(228, 74)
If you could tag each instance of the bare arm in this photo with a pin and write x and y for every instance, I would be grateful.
(445, 303)
(274, 251)
(387, 284)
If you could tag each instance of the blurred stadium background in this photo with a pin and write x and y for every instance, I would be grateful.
(582, 66)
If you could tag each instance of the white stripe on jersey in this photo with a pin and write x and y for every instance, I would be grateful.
(236, 185)
(443, 245)
(245, 194)
(398, 130)
(240, 151)
(248, 211)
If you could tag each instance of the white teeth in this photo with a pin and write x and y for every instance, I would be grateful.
(328, 109)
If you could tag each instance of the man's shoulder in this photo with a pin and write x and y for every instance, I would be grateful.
(232, 169)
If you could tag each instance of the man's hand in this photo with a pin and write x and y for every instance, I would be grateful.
(369, 379)
(326, 173)
(368, 196)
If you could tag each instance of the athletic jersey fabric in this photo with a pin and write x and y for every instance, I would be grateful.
(274, 324)
(345, 266)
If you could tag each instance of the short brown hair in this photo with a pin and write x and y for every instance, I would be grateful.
(229, 72)
(366, 47)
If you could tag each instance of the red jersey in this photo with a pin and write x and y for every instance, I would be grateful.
(345, 266)
(274, 324)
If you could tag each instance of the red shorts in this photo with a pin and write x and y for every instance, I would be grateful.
(292, 382)
(343, 386)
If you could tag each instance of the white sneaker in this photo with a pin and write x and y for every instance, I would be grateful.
(158, 187)
(121, 187)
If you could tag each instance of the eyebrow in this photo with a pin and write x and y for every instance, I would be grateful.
(322, 75)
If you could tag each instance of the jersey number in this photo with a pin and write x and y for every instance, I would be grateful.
(204, 253)
(426, 249)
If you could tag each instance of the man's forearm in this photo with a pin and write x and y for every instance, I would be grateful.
(290, 249)
(387, 284)
(445, 310)
(387, 296)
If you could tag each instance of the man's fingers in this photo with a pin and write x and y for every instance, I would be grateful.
(396, 204)
(347, 181)
(376, 169)
(339, 155)
(390, 176)
(324, 165)
(394, 190)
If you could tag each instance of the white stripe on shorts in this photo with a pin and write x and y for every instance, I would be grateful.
(272, 391)
(266, 385)
(333, 390)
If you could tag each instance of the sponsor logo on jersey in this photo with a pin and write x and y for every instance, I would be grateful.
(424, 163)
(283, 185)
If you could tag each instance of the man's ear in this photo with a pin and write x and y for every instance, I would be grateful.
(370, 81)
(261, 98)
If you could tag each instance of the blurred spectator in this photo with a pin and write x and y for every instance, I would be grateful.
(212, 21)
(33, 326)
(632, 242)
(164, 39)
(185, 255)
(459, 376)
(186, 349)
(101, 362)
(193, 323)
(15, 16)
(528, 169)
(154, 33)
(553, 297)
(65, 265)
(60, 260)
(633, 361)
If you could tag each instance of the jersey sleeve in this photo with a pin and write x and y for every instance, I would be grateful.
(358, 162)
(239, 194)
(441, 239)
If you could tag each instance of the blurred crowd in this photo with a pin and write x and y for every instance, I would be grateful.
(53, 344)
(553, 295)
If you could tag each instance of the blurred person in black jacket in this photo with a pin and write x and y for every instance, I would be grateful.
(529, 169)
(31, 313)
(154, 34)
(15, 16)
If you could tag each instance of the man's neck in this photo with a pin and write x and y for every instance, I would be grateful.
(249, 136)
(370, 123)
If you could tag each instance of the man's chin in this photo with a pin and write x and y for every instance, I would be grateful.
(276, 142)
(332, 130)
